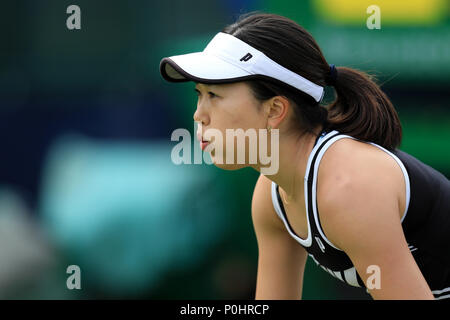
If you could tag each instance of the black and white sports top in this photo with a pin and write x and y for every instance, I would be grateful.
(425, 221)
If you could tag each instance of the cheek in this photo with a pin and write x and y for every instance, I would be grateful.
(246, 118)
(244, 115)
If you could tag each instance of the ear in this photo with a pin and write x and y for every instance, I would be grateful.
(277, 109)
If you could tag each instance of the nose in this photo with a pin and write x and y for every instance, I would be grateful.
(196, 116)
(200, 116)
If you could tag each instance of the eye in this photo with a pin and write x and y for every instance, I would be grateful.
(210, 93)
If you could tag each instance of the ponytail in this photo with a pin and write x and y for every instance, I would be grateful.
(362, 110)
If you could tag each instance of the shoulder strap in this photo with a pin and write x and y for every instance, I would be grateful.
(278, 204)
(311, 186)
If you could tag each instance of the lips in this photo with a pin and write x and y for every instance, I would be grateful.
(203, 143)
(199, 138)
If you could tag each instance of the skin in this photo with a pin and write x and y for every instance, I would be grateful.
(227, 106)
(361, 199)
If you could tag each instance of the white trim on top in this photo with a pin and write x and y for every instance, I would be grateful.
(314, 187)
(405, 175)
(275, 203)
(440, 291)
(304, 242)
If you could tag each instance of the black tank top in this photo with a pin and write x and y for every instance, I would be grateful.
(425, 222)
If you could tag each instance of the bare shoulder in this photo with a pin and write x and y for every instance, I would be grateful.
(263, 212)
(357, 183)
(349, 162)
(358, 201)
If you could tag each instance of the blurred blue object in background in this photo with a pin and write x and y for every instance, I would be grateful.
(27, 259)
(126, 214)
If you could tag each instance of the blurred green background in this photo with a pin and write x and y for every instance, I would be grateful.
(85, 124)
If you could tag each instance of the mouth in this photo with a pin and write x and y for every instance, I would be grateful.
(200, 138)
(203, 144)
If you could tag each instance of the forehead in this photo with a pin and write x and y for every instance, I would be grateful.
(211, 86)
(206, 85)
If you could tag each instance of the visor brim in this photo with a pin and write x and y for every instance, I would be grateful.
(200, 67)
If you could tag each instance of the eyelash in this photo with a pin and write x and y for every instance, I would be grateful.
(211, 94)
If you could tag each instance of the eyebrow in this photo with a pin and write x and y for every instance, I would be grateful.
(207, 86)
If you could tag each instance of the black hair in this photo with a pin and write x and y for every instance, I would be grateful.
(361, 109)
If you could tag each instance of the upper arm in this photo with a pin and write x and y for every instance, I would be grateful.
(359, 212)
(281, 260)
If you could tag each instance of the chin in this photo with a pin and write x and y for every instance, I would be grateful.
(227, 166)
(230, 167)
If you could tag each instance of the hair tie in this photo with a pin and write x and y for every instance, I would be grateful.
(331, 78)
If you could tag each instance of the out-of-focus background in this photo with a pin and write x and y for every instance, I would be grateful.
(86, 176)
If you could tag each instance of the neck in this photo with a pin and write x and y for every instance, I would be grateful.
(294, 153)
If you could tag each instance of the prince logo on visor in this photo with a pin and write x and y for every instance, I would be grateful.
(247, 57)
(228, 59)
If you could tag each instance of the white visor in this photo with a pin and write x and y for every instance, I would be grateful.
(229, 59)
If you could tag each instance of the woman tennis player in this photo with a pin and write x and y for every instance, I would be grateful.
(344, 194)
